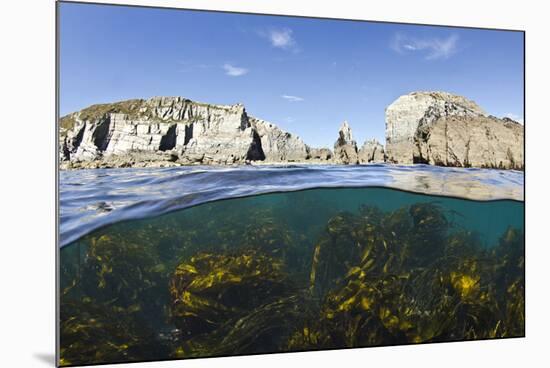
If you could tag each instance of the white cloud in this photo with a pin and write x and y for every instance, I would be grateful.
(514, 117)
(281, 38)
(433, 48)
(292, 98)
(234, 71)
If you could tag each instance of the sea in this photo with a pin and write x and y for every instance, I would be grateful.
(200, 261)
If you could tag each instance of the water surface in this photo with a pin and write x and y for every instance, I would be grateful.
(90, 199)
(200, 261)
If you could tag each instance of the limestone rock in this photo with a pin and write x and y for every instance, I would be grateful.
(223, 138)
(408, 112)
(129, 159)
(345, 148)
(195, 132)
(371, 152)
(436, 128)
(278, 145)
(439, 128)
(320, 154)
(467, 141)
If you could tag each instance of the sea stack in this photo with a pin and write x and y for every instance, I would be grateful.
(345, 148)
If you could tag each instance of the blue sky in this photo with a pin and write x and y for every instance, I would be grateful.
(305, 75)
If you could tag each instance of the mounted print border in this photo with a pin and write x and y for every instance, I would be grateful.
(238, 183)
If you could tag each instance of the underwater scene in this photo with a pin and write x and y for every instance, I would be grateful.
(316, 264)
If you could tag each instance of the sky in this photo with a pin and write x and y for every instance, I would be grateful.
(305, 75)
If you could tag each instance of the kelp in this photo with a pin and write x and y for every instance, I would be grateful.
(510, 282)
(412, 278)
(195, 286)
(113, 303)
(263, 329)
(95, 333)
(210, 287)
(231, 303)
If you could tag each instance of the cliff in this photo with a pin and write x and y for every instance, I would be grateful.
(278, 145)
(463, 141)
(439, 128)
(435, 128)
(166, 131)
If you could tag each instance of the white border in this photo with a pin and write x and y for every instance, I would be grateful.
(27, 181)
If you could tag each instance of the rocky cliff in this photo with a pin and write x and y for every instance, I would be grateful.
(465, 141)
(171, 131)
(435, 128)
(278, 145)
(408, 112)
(439, 128)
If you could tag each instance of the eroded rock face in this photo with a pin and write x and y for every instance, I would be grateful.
(194, 133)
(466, 141)
(439, 128)
(345, 148)
(372, 151)
(320, 154)
(278, 145)
(435, 128)
(222, 139)
(408, 112)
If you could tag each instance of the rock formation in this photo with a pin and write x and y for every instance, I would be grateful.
(345, 148)
(465, 141)
(408, 112)
(439, 128)
(170, 131)
(435, 128)
(278, 145)
(372, 151)
(320, 154)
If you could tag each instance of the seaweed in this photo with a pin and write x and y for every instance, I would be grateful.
(95, 333)
(225, 303)
(111, 304)
(415, 280)
(245, 280)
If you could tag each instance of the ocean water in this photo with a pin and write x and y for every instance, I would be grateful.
(196, 262)
(90, 199)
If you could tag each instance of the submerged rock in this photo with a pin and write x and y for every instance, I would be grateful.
(440, 128)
